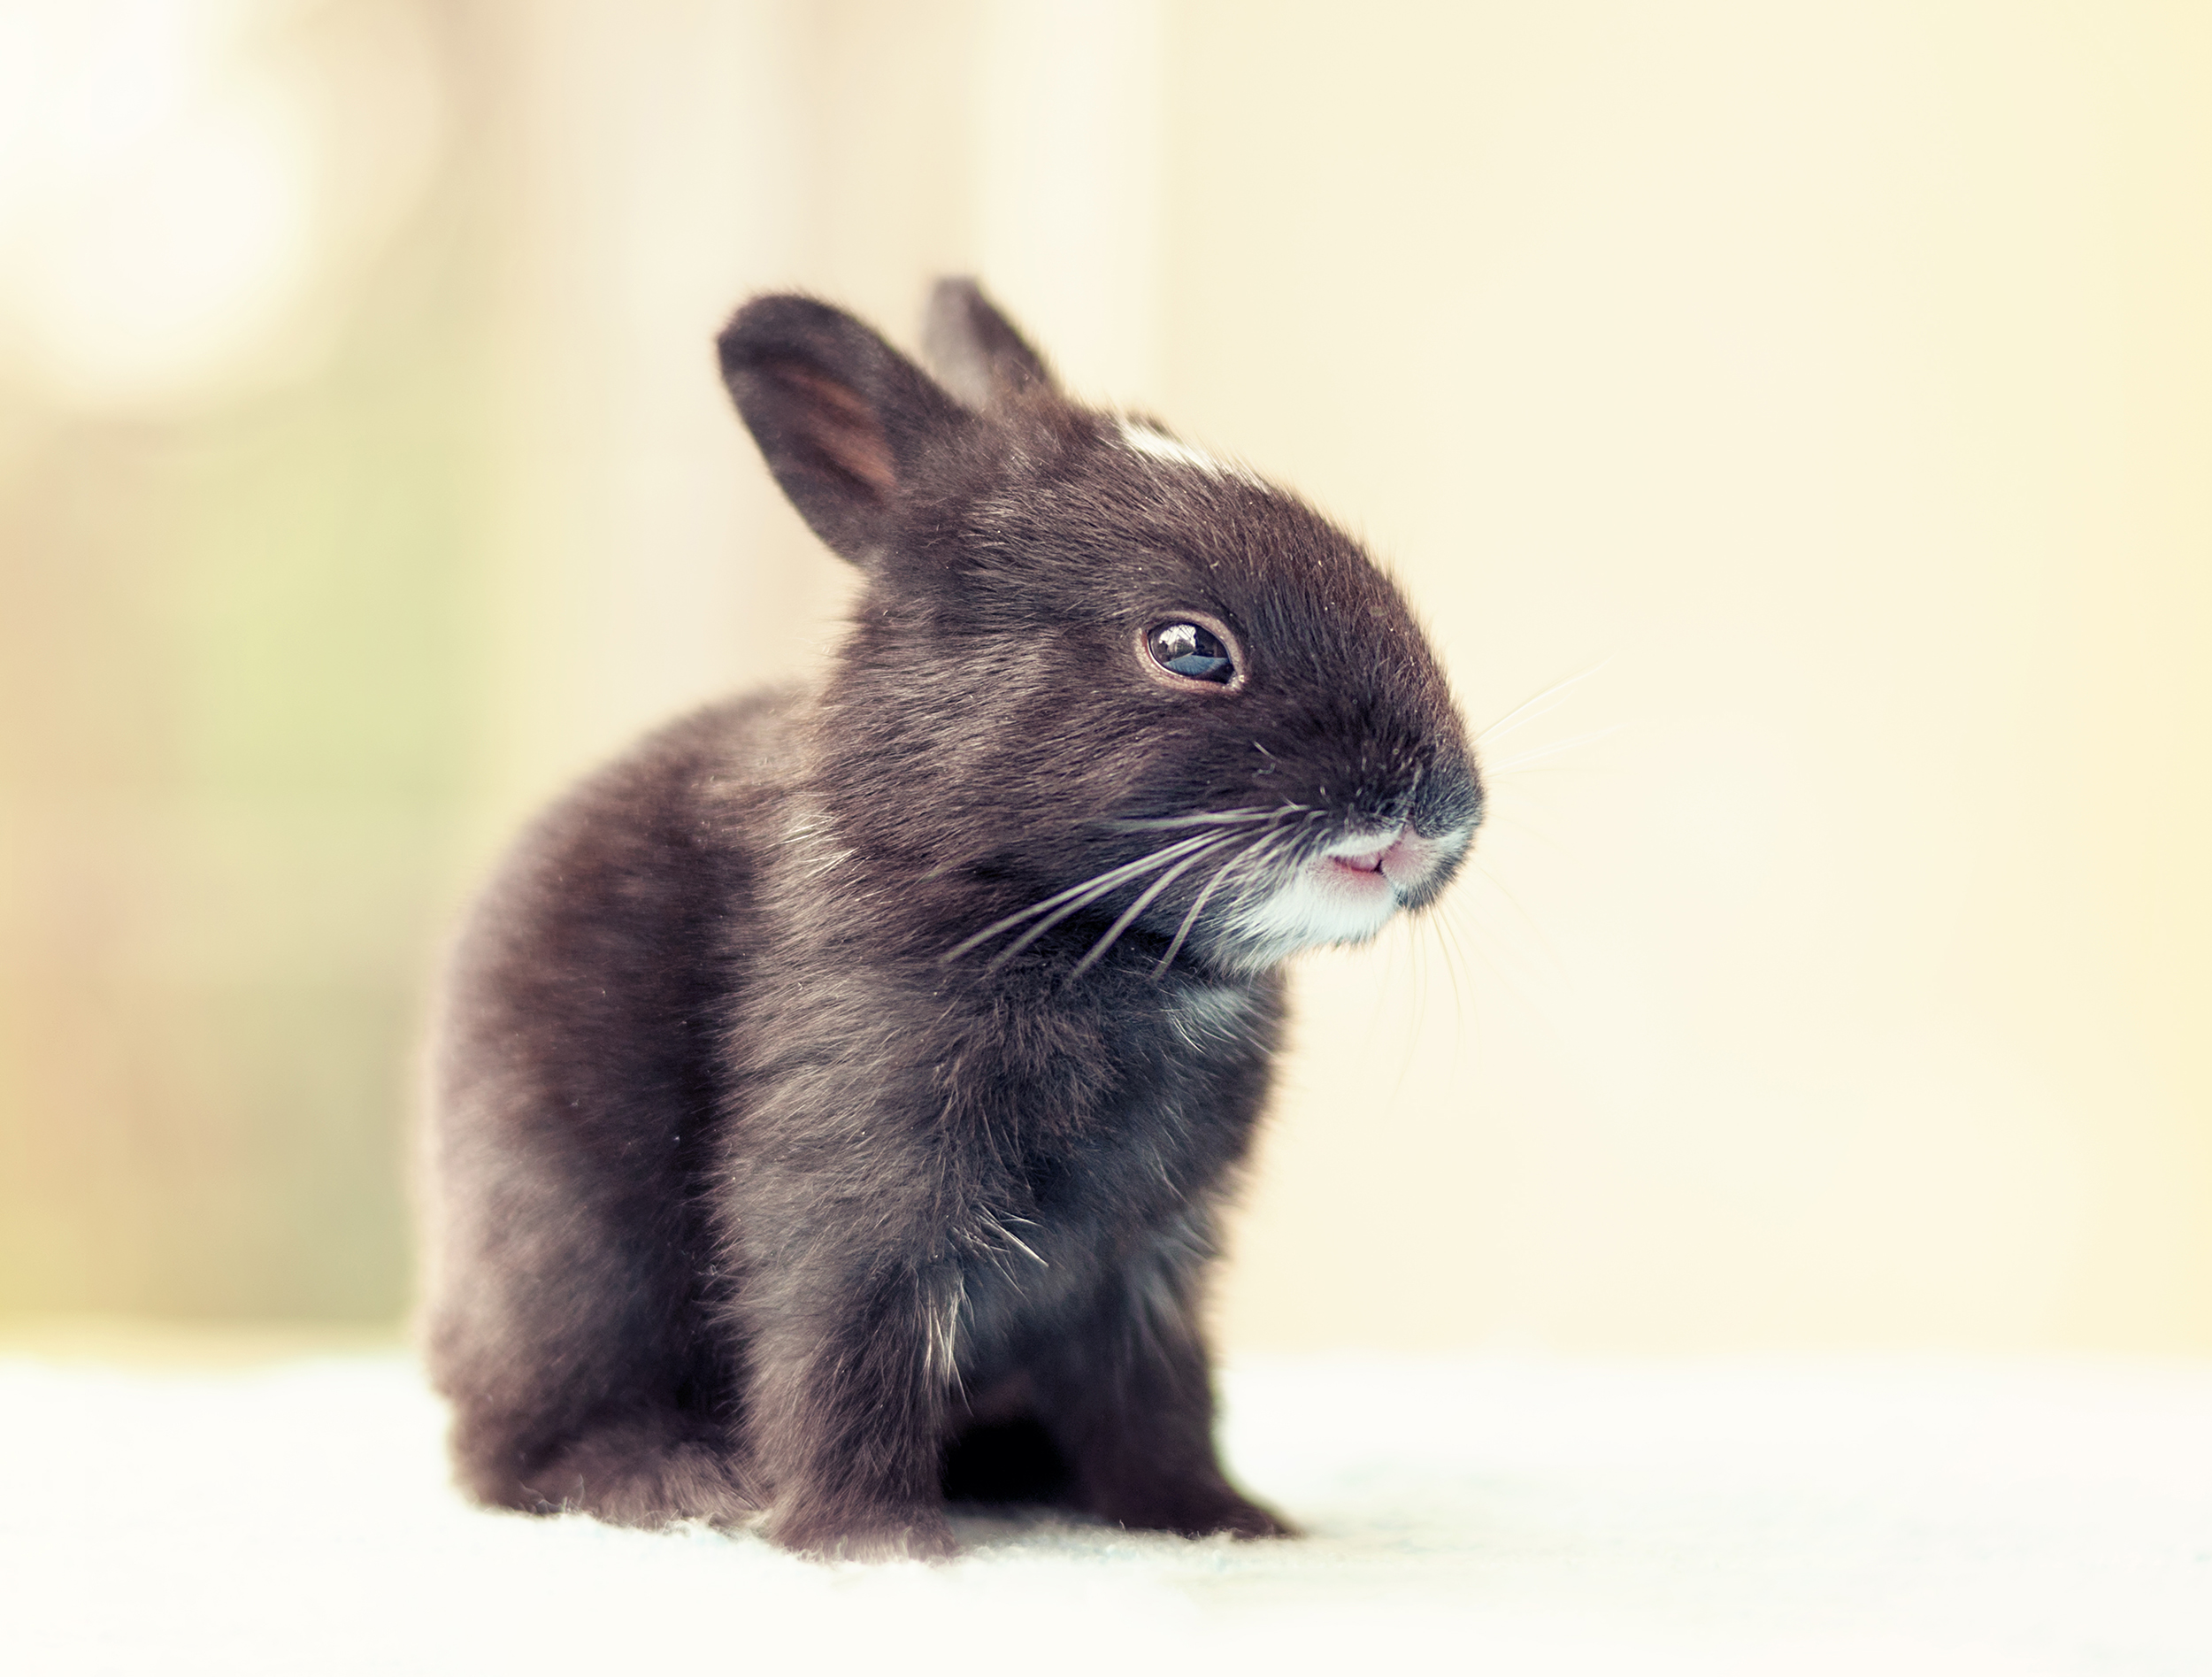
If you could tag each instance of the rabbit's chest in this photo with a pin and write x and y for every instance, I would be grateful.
(1176, 1109)
(1134, 1180)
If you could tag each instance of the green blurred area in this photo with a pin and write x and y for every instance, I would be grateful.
(232, 662)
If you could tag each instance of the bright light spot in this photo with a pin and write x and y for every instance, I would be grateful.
(166, 188)
(169, 266)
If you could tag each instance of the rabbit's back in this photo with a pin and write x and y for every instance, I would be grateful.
(574, 1090)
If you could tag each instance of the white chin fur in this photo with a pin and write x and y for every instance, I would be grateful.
(1313, 907)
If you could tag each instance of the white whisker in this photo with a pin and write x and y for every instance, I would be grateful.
(1274, 845)
(1536, 926)
(942, 1354)
(1190, 918)
(1089, 898)
(998, 1227)
(1050, 920)
(1543, 751)
(1096, 883)
(1251, 865)
(1222, 818)
(1518, 717)
(1136, 908)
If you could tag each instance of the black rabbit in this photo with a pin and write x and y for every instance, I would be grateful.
(834, 1098)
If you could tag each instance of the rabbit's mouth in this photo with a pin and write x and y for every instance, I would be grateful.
(1401, 858)
(1357, 882)
(1344, 893)
(1361, 861)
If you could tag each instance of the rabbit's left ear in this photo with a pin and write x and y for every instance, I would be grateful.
(975, 349)
(844, 421)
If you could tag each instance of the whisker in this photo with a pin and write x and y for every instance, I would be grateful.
(1518, 717)
(1258, 850)
(1136, 908)
(1222, 818)
(1271, 846)
(1090, 897)
(1512, 900)
(1107, 881)
(1050, 920)
(1543, 751)
(1506, 960)
(1441, 922)
(997, 1225)
(1456, 966)
(1536, 833)
(1390, 945)
(1190, 918)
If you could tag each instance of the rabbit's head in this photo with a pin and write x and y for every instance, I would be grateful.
(1104, 695)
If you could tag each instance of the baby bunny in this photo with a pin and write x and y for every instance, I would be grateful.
(834, 1098)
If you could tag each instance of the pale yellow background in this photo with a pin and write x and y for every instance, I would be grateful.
(1827, 389)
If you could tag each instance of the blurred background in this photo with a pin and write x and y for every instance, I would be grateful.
(1822, 393)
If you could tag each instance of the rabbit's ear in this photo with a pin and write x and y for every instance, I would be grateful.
(844, 419)
(975, 349)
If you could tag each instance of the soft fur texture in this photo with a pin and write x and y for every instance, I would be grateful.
(834, 1098)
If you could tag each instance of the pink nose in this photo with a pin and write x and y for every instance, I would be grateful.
(1409, 859)
(1405, 860)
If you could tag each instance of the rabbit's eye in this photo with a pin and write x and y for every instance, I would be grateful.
(1190, 651)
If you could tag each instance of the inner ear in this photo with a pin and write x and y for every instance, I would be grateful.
(975, 349)
(832, 422)
(845, 421)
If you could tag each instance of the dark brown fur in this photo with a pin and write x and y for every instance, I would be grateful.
(762, 1185)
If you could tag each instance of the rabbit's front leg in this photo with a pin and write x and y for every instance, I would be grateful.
(1128, 1398)
(846, 1406)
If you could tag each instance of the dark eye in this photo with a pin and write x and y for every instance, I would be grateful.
(1191, 651)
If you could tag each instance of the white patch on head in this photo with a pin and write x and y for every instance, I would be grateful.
(1158, 446)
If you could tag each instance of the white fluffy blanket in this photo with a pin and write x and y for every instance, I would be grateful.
(1516, 1517)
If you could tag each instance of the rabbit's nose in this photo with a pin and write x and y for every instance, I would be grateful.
(1408, 860)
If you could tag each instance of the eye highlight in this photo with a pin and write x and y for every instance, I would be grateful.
(1192, 651)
